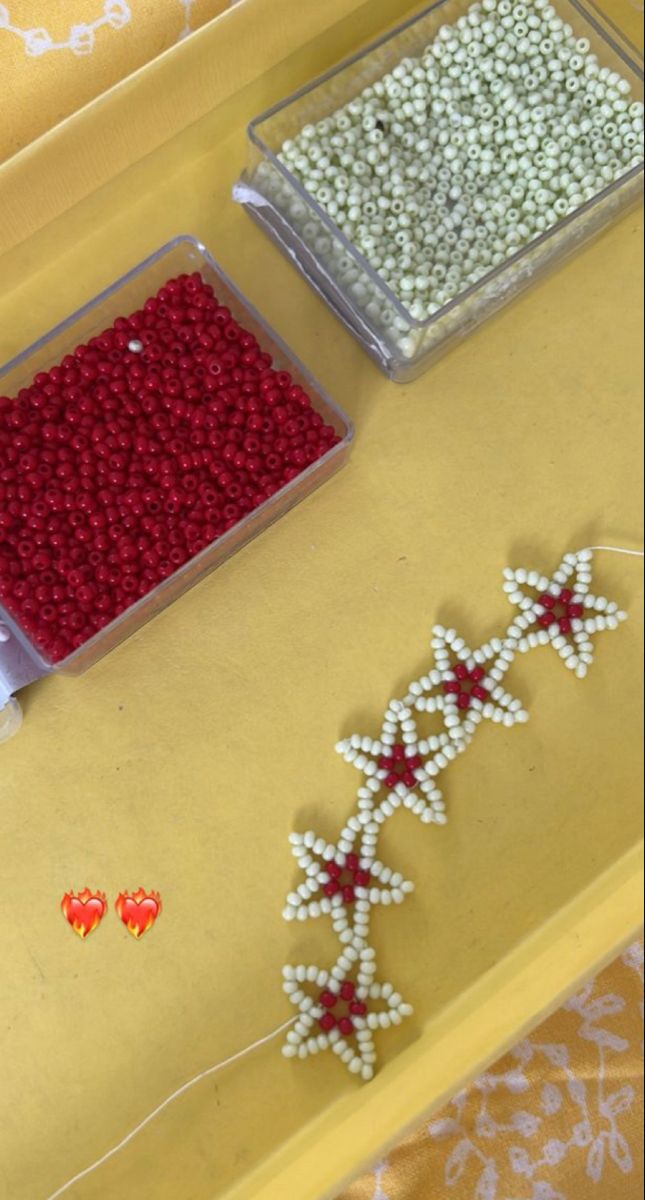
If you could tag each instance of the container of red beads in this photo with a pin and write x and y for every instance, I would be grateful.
(142, 442)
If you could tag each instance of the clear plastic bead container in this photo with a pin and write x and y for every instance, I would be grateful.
(402, 346)
(20, 660)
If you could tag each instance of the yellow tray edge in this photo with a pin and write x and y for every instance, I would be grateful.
(513, 997)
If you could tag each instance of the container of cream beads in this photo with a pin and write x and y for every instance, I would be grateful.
(142, 442)
(424, 183)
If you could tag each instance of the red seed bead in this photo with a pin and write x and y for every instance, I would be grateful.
(327, 1022)
(348, 991)
(346, 1026)
(117, 466)
(328, 999)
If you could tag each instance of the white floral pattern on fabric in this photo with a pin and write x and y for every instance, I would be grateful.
(81, 38)
(599, 1105)
(57, 57)
(464, 687)
(559, 1118)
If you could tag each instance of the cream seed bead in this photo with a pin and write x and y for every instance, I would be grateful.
(502, 102)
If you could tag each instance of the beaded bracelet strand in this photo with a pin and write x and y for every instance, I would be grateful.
(340, 1008)
(348, 995)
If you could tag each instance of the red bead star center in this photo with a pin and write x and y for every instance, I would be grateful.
(560, 610)
(343, 880)
(340, 1008)
(466, 684)
(400, 766)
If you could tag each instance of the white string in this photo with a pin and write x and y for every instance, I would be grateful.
(241, 1053)
(619, 550)
(169, 1099)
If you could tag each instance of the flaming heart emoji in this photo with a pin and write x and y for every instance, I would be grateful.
(138, 911)
(85, 911)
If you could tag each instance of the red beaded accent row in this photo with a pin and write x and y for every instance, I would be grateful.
(120, 464)
(346, 1006)
(560, 610)
(344, 880)
(466, 684)
(400, 766)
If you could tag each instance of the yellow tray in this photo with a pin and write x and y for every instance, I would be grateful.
(182, 761)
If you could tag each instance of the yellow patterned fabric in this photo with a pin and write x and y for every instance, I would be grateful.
(559, 1118)
(56, 55)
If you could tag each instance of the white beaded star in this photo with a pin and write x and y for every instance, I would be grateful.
(464, 688)
(556, 611)
(402, 762)
(343, 1012)
(342, 883)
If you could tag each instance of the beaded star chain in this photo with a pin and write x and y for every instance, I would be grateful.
(340, 1008)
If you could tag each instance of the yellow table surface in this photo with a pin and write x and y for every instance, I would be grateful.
(182, 761)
